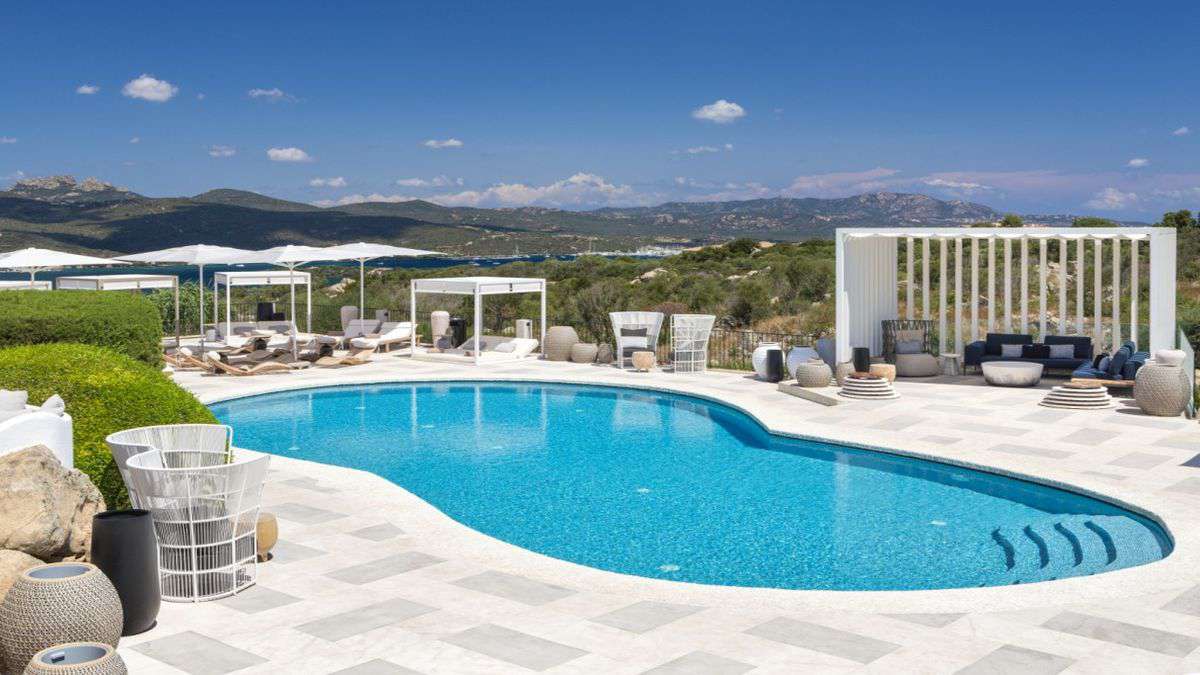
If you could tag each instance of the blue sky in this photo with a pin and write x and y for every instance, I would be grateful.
(1030, 107)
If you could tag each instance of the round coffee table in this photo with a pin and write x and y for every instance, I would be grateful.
(1012, 373)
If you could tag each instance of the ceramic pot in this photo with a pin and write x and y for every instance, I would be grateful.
(1161, 390)
(266, 535)
(124, 548)
(861, 358)
(759, 358)
(812, 374)
(77, 658)
(559, 340)
(799, 355)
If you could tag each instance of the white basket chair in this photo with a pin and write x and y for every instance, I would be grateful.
(651, 321)
(689, 341)
(205, 510)
(168, 437)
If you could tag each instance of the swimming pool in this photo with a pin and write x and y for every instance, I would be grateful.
(674, 487)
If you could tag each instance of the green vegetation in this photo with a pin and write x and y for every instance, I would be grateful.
(125, 323)
(104, 392)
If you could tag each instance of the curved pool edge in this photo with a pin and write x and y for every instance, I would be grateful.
(1178, 520)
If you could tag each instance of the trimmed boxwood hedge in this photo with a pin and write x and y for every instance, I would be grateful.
(104, 392)
(129, 324)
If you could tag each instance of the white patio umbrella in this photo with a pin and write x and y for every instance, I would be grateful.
(34, 260)
(362, 252)
(291, 257)
(195, 254)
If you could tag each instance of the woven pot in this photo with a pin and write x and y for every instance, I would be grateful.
(54, 604)
(77, 658)
(1161, 390)
(843, 369)
(584, 352)
(559, 340)
(812, 374)
(604, 353)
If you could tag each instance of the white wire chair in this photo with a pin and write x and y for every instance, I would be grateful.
(689, 341)
(651, 322)
(205, 508)
(168, 437)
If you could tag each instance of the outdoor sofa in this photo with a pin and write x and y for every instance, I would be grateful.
(1022, 348)
(1121, 366)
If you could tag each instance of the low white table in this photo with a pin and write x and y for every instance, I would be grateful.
(1012, 373)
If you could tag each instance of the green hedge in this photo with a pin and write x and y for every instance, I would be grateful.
(129, 324)
(105, 392)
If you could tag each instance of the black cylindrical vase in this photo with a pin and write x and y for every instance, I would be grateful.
(124, 548)
(862, 359)
(774, 365)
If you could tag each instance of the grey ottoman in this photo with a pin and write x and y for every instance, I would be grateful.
(584, 352)
(917, 365)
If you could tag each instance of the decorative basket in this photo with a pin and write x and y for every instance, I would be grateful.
(812, 374)
(77, 658)
(604, 353)
(55, 604)
(559, 340)
(584, 352)
(1161, 390)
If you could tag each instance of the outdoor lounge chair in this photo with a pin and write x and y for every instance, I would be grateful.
(395, 333)
(258, 369)
(635, 332)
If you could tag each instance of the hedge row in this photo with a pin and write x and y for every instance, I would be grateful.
(129, 324)
(104, 392)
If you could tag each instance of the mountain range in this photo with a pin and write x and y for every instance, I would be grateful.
(61, 212)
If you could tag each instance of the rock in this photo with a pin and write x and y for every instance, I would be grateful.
(13, 563)
(45, 509)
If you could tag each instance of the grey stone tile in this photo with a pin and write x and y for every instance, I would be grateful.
(357, 621)
(1189, 486)
(990, 429)
(376, 667)
(513, 587)
(1188, 441)
(309, 484)
(257, 598)
(1089, 436)
(1150, 423)
(1140, 460)
(645, 616)
(305, 514)
(823, 639)
(967, 411)
(286, 552)
(898, 423)
(940, 440)
(931, 619)
(1109, 476)
(1030, 450)
(701, 663)
(382, 568)
(1012, 659)
(1119, 632)
(1046, 416)
(1193, 462)
(514, 647)
(198, 654)
(380, 532)
(829, 419)
(1187, 602)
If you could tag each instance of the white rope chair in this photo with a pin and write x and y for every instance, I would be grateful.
(205, 510)
(635, 322)
(167, 437)
(689, 341)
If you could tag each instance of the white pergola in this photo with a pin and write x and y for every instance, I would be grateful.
(260, 278)
(479, 287)
(124, 282)
(869, 279)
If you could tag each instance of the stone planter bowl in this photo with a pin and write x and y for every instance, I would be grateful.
(77, 658)
(559, 340)
(812, 374)
(584, 352)
(1161, 390)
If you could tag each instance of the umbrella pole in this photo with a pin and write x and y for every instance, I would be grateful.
(362, 291)
(201, 304)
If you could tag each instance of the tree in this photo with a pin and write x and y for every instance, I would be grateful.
(1011, 220)
(1179, 219)
(1092, 221)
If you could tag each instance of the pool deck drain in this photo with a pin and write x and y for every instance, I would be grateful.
(387, 583)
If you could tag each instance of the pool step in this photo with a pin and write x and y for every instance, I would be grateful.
(1072, 545)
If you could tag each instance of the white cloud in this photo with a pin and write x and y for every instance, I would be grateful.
(436, 181)
(222, 151)
(149, 88)
(361, 199)
(288, 155)
(7, 140)
(581, 189)
(840, 184)
(1112, 199)
(1138, 162)
(336, 182)
(135, 140)
(87, 89)
(1181, 131)
(14, 176)
(965, 186)
(705, 149)
(448, 143)
(273, 95)
(199, 97)
(720, 112)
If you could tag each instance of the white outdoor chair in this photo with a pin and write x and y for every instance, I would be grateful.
(388, 335)
(205, 510)
(635, 322)
(689, 341)
(168, 437)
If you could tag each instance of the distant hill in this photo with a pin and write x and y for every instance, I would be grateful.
(94, 215)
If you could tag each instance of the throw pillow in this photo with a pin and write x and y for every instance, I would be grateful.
(505, 348)
(1011, 351)
(910, 346)
(1102, 357)
(1035, 352)
(1062, 351)
(635, 332)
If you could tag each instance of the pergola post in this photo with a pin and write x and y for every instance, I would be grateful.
(412, 316)
(1098, 294)
(1042, 288)
(991, 292)
(542, 342)
(478, 323)
(1133, 291)
(1062, 286)
(1116, 299)
(925, 278)
(909, 277)
(958, 256)
(1008, 308)
(1163, 330)
(1024, 285)
(942, 248)
(1079, 283)
(974, 289)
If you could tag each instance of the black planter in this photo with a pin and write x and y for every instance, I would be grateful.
(124, 548)
(458, 331)
(862, 359)
(774, 365)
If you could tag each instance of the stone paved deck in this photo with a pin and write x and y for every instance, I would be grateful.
(369, 579)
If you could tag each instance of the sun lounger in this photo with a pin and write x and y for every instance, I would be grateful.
(258, 369)
(390, 334)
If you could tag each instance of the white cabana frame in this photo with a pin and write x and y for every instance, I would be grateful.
(14, 285)
(478, 287)
(259, 278)
(868, 277)
(124, 282)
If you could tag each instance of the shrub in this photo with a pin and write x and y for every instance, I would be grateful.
(105, 392)
(129, 324)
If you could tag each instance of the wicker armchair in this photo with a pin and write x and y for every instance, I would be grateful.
(167, 437)
(892, 328)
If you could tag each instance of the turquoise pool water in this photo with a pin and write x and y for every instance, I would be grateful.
(675, 487)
